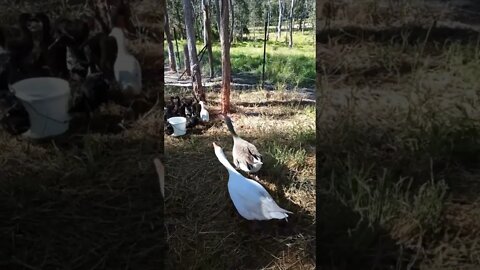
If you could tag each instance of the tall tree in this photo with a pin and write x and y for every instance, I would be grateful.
(233, 21)
(207, 34)
(217, 13)
(290, 44)
(280, 16)
(191, 41)
(171, 51)
(226, 66)
(269, 19)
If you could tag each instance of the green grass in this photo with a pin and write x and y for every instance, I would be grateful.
(398, 153)
(209, 234)
(292, 66)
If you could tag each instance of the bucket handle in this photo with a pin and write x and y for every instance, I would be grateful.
(33, 108)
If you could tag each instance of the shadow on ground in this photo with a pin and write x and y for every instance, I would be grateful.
(83, 210)
(207, 232)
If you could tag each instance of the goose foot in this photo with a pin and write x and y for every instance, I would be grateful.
(254, 176)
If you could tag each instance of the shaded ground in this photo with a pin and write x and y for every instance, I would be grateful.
(88, 199)
(398, 141)
(204, 230)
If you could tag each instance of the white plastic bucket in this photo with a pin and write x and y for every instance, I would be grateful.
(46, 100)
(179, 125)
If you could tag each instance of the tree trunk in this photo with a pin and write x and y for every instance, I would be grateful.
(279, 27)
(290, 44)
(186, 60)
(194, 64)
(217, 6)
(176, 46)
(171, 50)
(269, 19)
(207, 34)
(264, 51)
(254, 28)
(226, 66)
(232, 30)
(179, 19)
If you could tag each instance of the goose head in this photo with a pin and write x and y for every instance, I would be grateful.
(229, 123)
(121, 17)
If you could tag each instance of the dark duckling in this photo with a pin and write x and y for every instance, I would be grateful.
(101, 53)
(19, 44)
(53, 51)
(76, 33)
(94, 92)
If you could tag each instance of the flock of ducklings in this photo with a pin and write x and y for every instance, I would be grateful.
(192, 109)
(73, 50)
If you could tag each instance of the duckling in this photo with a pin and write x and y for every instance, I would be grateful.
(94, 92)
(192, 121)
(19, 44)
(204, 115)
(245, 155)
(252, 200)
(101, 52)
(75, 33)
(128, 72)
(16, 120)
(53, 52)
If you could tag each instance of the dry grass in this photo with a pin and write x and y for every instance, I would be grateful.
(88, 199)
(398, 148)
(204, 230)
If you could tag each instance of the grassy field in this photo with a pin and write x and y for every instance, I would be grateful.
(88, 199)
(204, 230)
(398, 147)
(292, 66)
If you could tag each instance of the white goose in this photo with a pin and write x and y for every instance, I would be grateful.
(128, 72)
(251, 199)
(204, 115)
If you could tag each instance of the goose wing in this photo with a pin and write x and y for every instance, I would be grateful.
(246, 153)
(253, 202)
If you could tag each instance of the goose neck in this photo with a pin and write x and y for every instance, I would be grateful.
(121, 46)
(223, 159)
(228, 121)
